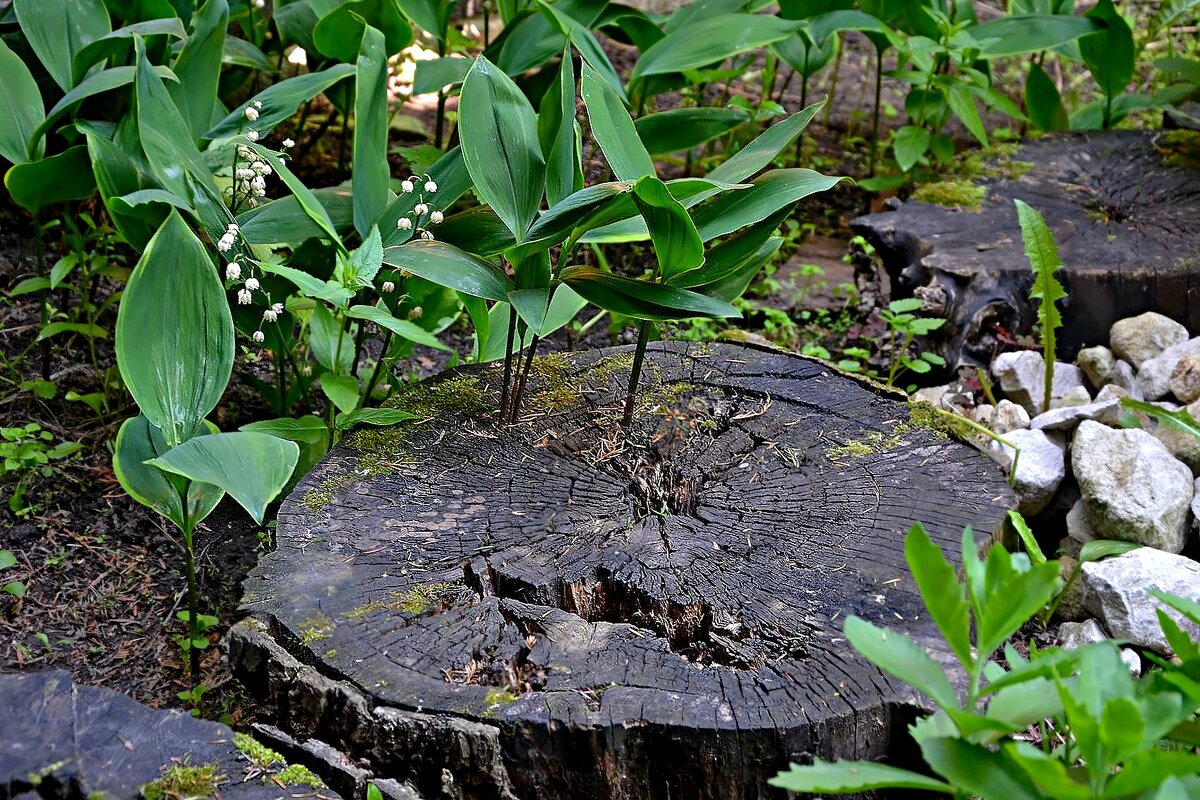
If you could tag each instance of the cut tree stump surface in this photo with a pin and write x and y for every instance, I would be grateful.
(62, 740)
(552, 610)
(1126, 224)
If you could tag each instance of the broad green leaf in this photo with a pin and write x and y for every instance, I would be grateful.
(117, 175)
(432, 15)
(448, 266)
(138, 441)
(280, 101)
(1043, 101)
(943, 595)
(342, 390)
(120, 40)
(962, 103)
(29, 286)
(1011, 603)
(331, 344)
(911, 143)
(1042, 252)
(498, 131)
(1029, 33)
(433, 74)
(531, 306)
(1184, 605)
(1151, 768)
(330, 291)
(58, 29)
(63, 268)
(308, 429)
(449, 171)
(304, 196)
(90, 330)
(23, 109)
(1027, 538)
(371, 416)
(677, 243)
(642, 299)
(556, 133)
(589, 49)
(734, 285)
(684, 128)
(1180, 421)
(363, 264)
(101, 82)
(767, 194)
(240, 53)
(532, 40)
(709, 41)
(199, 67)
(478, 230)
(1110, 53)
(175, 357)
(284, 221)
(727, 258)
(252, 467)
(991, 774)
(7, 559)
(65, 176)
(613, 128)
(898, 655)
(762, 150)
(554, 226)
(843, 777)
(401, 327)
(337, 33)
(371, 170)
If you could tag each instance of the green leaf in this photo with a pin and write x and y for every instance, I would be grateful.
(1042, 252)
(1043, 101)
(727, 258)
(65, 176)
(103, 81)
(330, 291)
(641, 299)
(432, 74)
(401, 327)
(449, 171)
(448, 266)
(1184, 605)
(763, 149)
(911, 143)
(432, 15)
(371, 416)
(498, 131)
(304, 196)
(944, 596)
(1181, 421)
(1029, 33)
(329, 342)
(843, 777)
(119, 41)
(7, 559)
(972, 767)
(199, 67)
(337, 33)
(280, 101)
(89, 330)
(589, 49)
(709, 41)
(371, 170)
(342, 391)
(556, 133)
(677, 243)
(898, 655)
(771, 191)
(23, 108)
(252, 467)
(29, 286)
(613, 128)
(556, 224)
(1027, 538)
(138, 441)
(175, 357)
(1012, 600)
(1110, 53)
(962, 103)
(685, 128)
(58, 29)
(284, 221)
(240, 53)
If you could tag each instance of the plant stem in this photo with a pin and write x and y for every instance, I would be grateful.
(440, 124)
(508, 358)
(40, 253)
(387, 342)
(833, 82)
(635, 371)
(519, 395)
(189, 555)
(875, 112)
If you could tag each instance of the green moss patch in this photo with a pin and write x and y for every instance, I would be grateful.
(181, 782)
(414, 602)
(316, 628)
(952, 194)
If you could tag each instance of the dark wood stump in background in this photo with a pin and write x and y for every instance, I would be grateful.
(1126, 217)
(560, 610)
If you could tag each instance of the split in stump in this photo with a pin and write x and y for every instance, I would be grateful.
(563, 608)
(1123, 206)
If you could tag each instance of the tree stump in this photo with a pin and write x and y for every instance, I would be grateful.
(1123, 206)
(564, 609)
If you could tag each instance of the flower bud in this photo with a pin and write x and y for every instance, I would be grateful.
(416, 312)
(277, 308)
(404, 224)
(430, 186)
(436, 217)
(252, 135)
(388, 287)
(427, 235)
(259, 337)
(244, 297)
(233, 271)
(407, 187)
(252, 284)
(420, 209)
(270, 315)
(251, 113)
(288, 142)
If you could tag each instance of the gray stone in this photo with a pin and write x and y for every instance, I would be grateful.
(1133, 488)
(1124, 377)
(1009, 417)
(394, 790)
(1185, 379)
(1196, 502)
(1154, 376)
(1079, 530)
(1068, 418)
(1115, 591)
(1183, 445)
(1097, 364)
(1022, 377)
(1073, 603)
(1138, 339)
(1041, 467)
(1073, 635)
(1132, 660)
(1079, 396)
(931, 394)
(984, 414)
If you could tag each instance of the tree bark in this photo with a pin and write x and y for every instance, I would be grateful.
(563, 608)
(1123, 207)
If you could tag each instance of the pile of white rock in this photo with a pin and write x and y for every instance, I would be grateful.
(1136, 484)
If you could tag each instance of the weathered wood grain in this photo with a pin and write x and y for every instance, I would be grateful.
(557, 610)
(1127, 225)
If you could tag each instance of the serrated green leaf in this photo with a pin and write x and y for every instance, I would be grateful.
(1042, 252)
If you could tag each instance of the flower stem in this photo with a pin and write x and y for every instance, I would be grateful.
(635, 371)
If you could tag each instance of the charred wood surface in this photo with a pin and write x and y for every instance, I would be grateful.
(1125, 217)
(563, 609)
